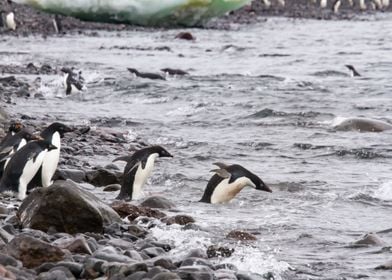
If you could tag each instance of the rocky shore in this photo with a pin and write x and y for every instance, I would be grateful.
(30, 21)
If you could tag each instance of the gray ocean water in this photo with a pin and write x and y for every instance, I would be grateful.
(264, 96)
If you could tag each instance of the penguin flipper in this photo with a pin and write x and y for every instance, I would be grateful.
(222, 173)
(123, 158)
(129, 171)
(221, 165)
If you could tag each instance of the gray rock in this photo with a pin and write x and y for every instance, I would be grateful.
(385, 266)
(93, 268)
(153, 252)
(55, 275)
(54, 207)
(137, 276)
(103, 177)
(243, 275)
(133, 254)
(166, 276)
(165, 263)
(22, 273)
(33, 252)
(110, 254)
(75, 268)
(155, 271)
(196, 262)
(157, 202)
(241, 235)
(112, 269)
(8, 260)
(119, 243)
(225, 275)
(112, 188)
(5, 236)
(6, 274)
(137, 231)
(77, 245)
(226, 266)
(76, 175)
(179, 220)
(3, 115)
(196, 253)
(196, 272)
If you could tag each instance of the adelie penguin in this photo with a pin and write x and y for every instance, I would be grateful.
(52, 134)
(14, 128)
(139, 167)
(23, 165)
(13, 144)
(229, 180)
(353, 72)
(73, 82)
(146, 75)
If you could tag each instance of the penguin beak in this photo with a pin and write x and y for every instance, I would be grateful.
(263, 187)
(51, 147)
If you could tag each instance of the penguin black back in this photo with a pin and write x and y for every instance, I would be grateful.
(14, 127)
(146, 75)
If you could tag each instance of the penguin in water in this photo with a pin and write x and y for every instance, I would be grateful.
(146, 75)
(53, 134)
(353, 71)
(13, 144)
(73, 82)
(14, 127)
(139, 167)
(23, 165)
(229, 180)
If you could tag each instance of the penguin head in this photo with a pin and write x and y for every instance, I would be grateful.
(161, 151)
(15, 127)
(60, 128)
(30, 137)
(133, 70)
(260, 185)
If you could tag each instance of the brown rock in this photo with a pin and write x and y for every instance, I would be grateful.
(33, 252)
(185, 36)
(131, 211)
(6, 274)
(103, 177)
(76, 245)
(217, 251)
(178, 219)
(65, 207)
(241, 235)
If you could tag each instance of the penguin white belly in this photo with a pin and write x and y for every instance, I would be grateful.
(323, 4)
(30, 169)
(224, 192)
(10, 21)
(21, 144)
(141, 176)
(50, 162)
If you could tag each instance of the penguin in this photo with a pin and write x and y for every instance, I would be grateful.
(53, 134)
(14, 127)
(139, 167)
(73, 82)
(336, 6)
(385, 3)
(173, 72)
(229, 180)
(23, 165)
(323, 4)
(267, 3)
(10, 21)
(350, 3)
(13, 144)
(146, 75)
(362, 5)
(352, 70)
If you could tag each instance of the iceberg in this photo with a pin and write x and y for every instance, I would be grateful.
(140, 12)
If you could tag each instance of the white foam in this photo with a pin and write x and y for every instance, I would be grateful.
(337, 121)
(384, 192)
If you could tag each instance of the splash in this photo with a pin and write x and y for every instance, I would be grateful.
(384, 192)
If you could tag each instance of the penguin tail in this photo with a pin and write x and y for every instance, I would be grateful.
(123, 158)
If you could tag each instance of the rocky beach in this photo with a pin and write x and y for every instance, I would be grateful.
(249, 99)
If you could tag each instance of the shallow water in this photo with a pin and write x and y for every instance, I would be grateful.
(264, 96)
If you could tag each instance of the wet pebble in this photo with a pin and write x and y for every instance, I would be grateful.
(166, 276)
(178, 219)
(218, 251)
(196, 272)
(112, 188)
(132, 212)
(8, 260)
(223, 274)
(112, 269)
(157, 202)
(133, 254)
(153, 252)
(75, 175)
(74, 245)
(110, 254)
(241, 235)
(137, 231)
(195, 262)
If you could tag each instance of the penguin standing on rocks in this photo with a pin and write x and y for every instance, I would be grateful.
(23, 165)
(10, 21)
(139, 167)
(229, 180)
(52, 134)
(14, 127)
(13, 144)
(336, 6)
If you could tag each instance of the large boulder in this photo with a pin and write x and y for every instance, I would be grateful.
(64, 207)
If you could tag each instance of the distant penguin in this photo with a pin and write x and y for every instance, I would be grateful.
(282, 3)
(350, 3)
(139, 167)
(229, 180)
(336, 6)
(174, 72)
(53, 134)
(146, 75)
(362, 5)
(10, 21)
(385, 3)
(323, 4)
(267, 3)
(353, 72)
(73, 82)
(378, 4)
(13, 144)
(14, 127)
(22, 167)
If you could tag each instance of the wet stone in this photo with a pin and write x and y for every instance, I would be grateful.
(75, 175)
(155, 271)
(226, 266)
(140, 275)
(165, 263)
(242, 275)
(76, 245)
(157, 202)
(196, 253)
(153, 252)
(178, 219)
(166, 276)
(55, 275)
(217, 251)
(137, 231)
(112, 269)
(22, 273)
(6, 274)
(196, 261)
(120, 243)
(196, 272)
(225, 275)
(93, 268)
(112, 188)
(131, 211)
(110, 254)
(103, 177)
(8, 260)
(241, 235)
